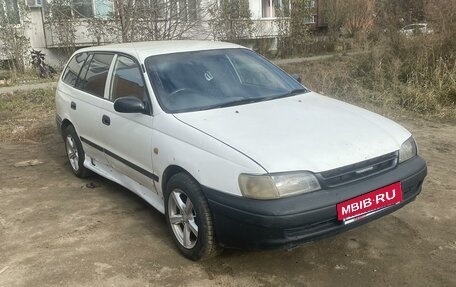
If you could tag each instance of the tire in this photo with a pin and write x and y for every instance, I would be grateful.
(181, 221)
(75, 152)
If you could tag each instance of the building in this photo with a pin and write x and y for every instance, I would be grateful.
(91, 21)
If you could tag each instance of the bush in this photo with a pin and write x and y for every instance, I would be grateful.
(421, 70)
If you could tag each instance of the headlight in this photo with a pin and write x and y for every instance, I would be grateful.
(277, 185)
(408, 150)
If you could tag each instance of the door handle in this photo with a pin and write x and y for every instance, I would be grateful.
(73, 105)
(106, 120)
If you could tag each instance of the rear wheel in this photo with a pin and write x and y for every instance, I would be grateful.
(75, 153)
(189, 218)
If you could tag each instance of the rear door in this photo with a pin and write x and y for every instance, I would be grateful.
(87, 74)
(127, 137)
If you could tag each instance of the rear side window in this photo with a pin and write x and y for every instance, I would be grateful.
(80, 82)
(94, 80)
(74, 66)
(127, 80)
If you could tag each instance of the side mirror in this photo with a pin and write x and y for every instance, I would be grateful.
(129, 105)
(296, 77)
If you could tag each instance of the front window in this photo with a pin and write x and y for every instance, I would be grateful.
(202, 80)
(127, 80)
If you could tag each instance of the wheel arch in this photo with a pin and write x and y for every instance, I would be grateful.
(169, 172)
(65, 124)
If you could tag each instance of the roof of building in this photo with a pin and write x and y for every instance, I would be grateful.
(151, 48)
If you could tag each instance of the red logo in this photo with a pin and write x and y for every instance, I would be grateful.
(371, 201)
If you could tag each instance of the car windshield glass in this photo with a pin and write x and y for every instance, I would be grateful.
(202, 80)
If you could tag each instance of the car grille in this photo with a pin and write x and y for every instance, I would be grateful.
(357, 171)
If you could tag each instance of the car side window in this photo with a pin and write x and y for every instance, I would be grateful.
(96, 73)
(80, 81)
(72, 70)
(127, 80)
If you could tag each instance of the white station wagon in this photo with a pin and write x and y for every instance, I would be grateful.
(234, 151)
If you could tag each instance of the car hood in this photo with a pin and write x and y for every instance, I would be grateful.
(305, 132)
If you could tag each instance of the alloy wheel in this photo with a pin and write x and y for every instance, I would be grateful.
(72, 152)
(182, 217)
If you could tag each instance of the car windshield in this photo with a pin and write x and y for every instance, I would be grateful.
(202, 80)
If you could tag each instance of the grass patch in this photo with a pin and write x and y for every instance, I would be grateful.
(27, 116)
(347, 78)
(29, 76)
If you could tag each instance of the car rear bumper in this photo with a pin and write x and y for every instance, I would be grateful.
(261, 224)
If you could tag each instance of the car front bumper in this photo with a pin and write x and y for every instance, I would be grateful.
(262, 224)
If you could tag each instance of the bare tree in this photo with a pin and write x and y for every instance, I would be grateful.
(60, 17)
(442, 15)
(141, 20)
(349, 16)
(293, 26)
(299, 25)
(102, 29)
(335, 14)
(13, 41)
(230, 20)
(124, 16)
(282, 23)
(359, 16)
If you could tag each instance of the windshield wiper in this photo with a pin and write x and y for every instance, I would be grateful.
(291, 93)
(235, 103)
(254, 100)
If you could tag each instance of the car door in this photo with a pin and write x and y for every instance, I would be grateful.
(127, 136)
(86, 100)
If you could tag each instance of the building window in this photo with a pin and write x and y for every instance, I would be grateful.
(103, 8)
(187, 10)
(9, 12)
(310, 19)
(192, 9)
(82, 8)
(270, 7)
(311, 3)
(154, 9)
(234, 9)
(183, 10)
(72, 9)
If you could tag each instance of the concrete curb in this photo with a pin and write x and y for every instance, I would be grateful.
(28, 87)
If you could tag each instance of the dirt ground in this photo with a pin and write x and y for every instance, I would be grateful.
(58, 230)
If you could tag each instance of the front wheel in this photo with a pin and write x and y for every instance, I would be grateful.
(189, 218)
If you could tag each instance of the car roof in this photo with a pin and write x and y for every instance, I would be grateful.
(151, 48)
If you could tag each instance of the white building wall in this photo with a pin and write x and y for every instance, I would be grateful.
(35, 29)
(43, 35)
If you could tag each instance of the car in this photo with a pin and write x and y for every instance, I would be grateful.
(235, 152)
(417, 28)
